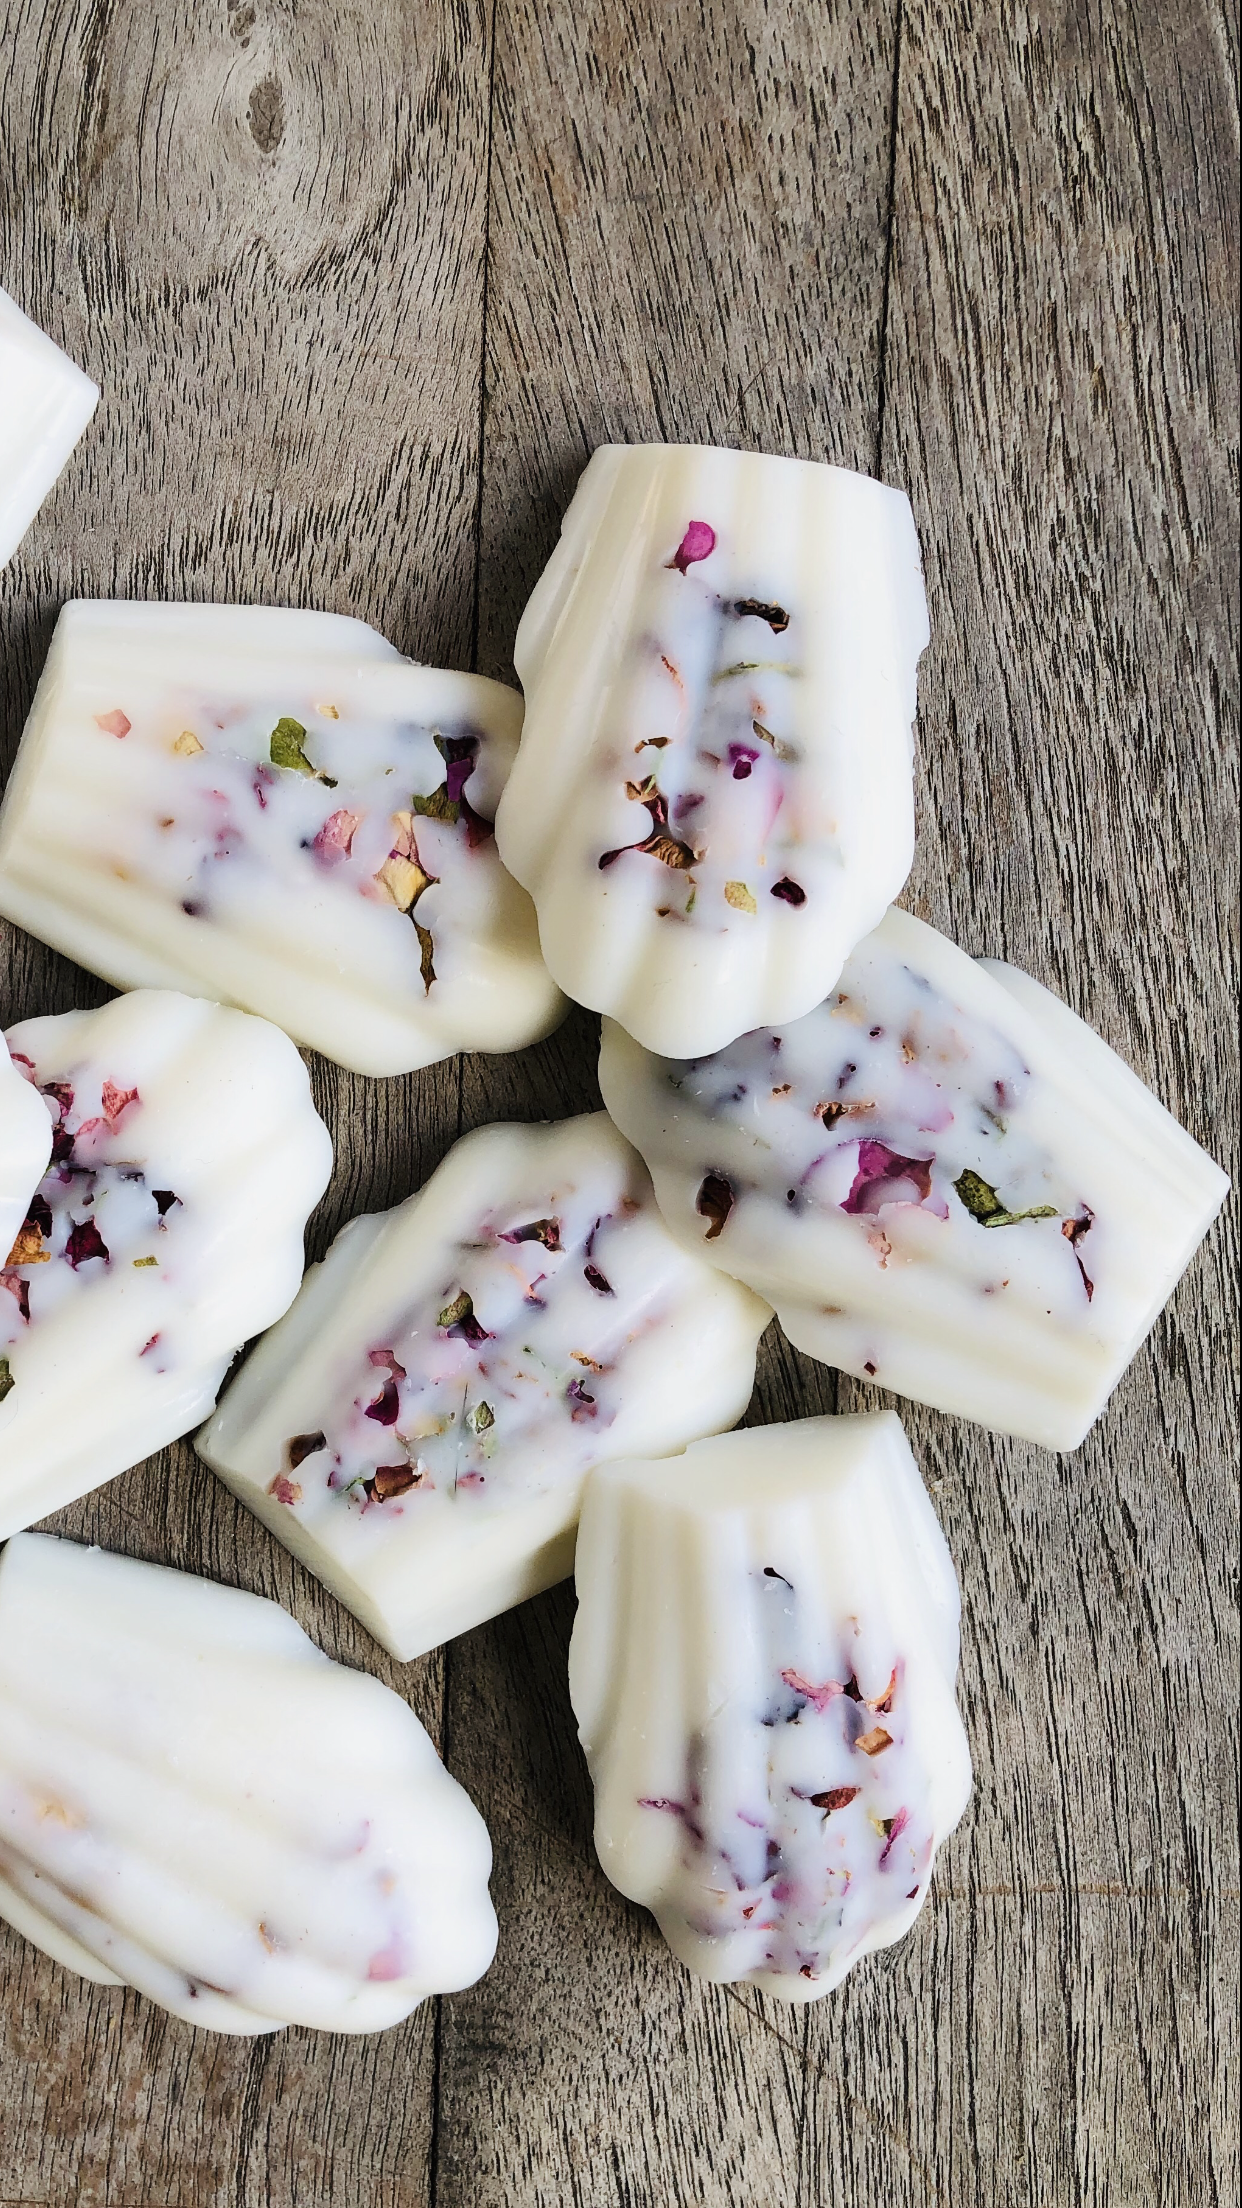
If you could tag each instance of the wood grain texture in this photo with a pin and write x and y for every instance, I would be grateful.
(364, 285)
(261, 228)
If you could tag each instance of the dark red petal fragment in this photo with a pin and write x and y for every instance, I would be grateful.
(835, 1797)
(547, 1231)
(40, 1214)
(303, 1445)
(584, 1405)
(598, 1281)
(697, 544)
(387, 1404)
(164, 1200)
(1074, 1230)
(788, 891)
(714, 1202)
(18, 1286)
(85, 1241)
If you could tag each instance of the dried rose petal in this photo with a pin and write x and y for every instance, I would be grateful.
(835, 1797)
(882, 1174)
(85, 1242)
(301, 1446)
(387, 1405)
(403, 880)
(116, 1100)
(187, 745)
(284, 1490)
(714, 1202)
(788, 891)
(547, 1231)
(818, 1697)
(741, 898)
(595, 1279)
(1074, 1230)
(334, 841)
(164, 1200)
(893, 1827)
(388, 1480)
(28, 1248)
(459, 1321)
(698, 543)
(115, 723)
(18, 1287)
(40, 1213)
(584, 1404)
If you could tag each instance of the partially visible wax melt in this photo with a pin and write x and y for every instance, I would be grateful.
(194, 1801)
(25, 1147)
(45, 404)
(713, 797)
(276, 809)
(762, 1669)
(417, 1430)
(186, 1156)
(941, 1178)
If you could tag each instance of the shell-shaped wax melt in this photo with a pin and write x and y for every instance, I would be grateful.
(45, 404)
(186, 1156)
(941, 1178)
(762, 1669)
(25, 1147)
(195, 1801)
(417, 1430)
(713, 798)
(276, 809)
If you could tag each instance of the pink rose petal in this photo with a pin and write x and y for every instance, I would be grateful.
(697, 544)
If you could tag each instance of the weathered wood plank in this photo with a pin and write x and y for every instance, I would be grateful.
(687, 240)
(260, 227)
(1060, 398)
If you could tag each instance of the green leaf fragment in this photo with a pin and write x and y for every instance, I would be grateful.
(983, 1203)
(439, 806)
(461, 1307)
(427, 947)
(146, 1261)
(480, 1418)
(286, 750)
(7, 1382)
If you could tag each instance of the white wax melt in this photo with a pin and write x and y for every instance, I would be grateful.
(186, 1156)
(196, 1802)
(275, 808)
(941, 1178)
(713, 798)
(762, 1670)
(45, 404)
(418, 1428)
(25, 1147)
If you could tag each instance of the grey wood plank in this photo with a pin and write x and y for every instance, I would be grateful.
(687, 237)
(260, 227)
(1061, 399)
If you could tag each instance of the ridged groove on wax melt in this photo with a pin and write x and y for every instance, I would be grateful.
(418, 1428)
(194, 1801)
(941, 1178)
(275, 808)
(713, 798)
(186, 1158)
(762, 1669)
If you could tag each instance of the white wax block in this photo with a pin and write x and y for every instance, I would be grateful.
(25, 1147)
(762, 1669)
(941, 1178)
(45, 404)
(713, 797)
(186, 1157)
(275, 808)
(196, 1802)
(417, 1430)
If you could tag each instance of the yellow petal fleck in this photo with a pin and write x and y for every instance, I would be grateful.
(403, 881)
(187, 744)
(146, 1261)
(28, 1248)
(328, 712)
(737, 895)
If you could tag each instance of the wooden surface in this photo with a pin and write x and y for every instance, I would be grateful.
(364, 283)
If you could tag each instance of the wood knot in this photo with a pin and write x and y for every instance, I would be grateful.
(266, 115)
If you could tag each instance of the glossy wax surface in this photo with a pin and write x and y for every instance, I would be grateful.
(45, 404)
(762, 1670)
(940, 1177)
(277, 809)
(196, 1802)
(186, 1156)
(418, 1428)
(713, 798)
